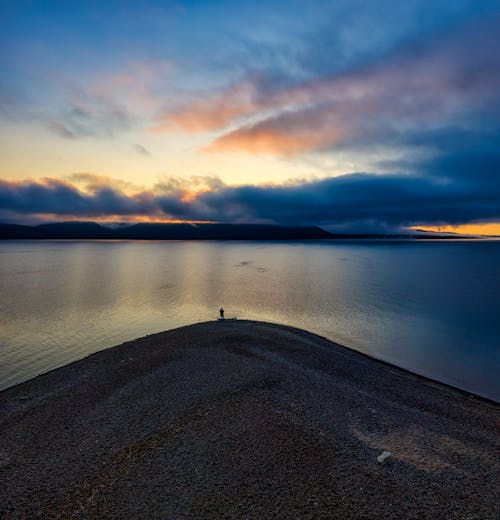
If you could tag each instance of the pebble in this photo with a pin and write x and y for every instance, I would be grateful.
(383, 457)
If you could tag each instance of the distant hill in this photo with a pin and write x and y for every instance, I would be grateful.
(66, 230)
(91, 230)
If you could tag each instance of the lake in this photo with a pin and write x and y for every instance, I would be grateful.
(432, 307)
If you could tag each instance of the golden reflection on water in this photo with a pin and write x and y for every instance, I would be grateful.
(407, 303)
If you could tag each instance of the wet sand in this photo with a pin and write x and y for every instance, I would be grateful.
(244, 419)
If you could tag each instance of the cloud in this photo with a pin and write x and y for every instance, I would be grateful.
(61, 129)
(89, 115)
(395, 200)
(99, 104)
(443, 81)
(286, 134)
(141, 150)
(90, 182)
(356, 201)
(458, 183)
(210, 113)
(87, 195)
(56, 197)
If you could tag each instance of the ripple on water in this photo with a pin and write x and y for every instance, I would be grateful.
(431, 308)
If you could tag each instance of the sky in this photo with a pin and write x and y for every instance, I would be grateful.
(358, 116)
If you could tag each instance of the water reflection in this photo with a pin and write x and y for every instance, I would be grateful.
(430, 307)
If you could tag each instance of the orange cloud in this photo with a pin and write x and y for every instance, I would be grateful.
(264, 140)
(257, 141)
(295, 119)
(287, 134)
(212, 113)
(90, 182)
(421, 87)
(112, 219)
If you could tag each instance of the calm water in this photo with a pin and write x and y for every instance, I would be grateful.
(431, 307)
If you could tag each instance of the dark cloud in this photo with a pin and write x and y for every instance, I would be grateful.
(352, 34)
(474, 160)
(394, 200)
(459, 183)
(469, 156)
(54, 197)
(355, 201)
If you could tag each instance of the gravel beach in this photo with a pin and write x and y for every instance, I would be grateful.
(242, 419)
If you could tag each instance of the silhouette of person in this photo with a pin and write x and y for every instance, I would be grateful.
(221, 313)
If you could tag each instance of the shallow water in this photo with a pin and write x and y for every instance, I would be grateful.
(431, 307)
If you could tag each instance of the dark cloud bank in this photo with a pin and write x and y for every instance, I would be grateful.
(455, 188)
(460, 184)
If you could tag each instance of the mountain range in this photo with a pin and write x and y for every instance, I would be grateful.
(147, 231)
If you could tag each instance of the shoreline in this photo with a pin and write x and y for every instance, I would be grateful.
(244, 418)
(430, 379)
(386, 361)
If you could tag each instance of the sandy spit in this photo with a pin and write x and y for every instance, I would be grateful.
(244, 419)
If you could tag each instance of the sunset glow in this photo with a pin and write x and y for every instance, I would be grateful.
(201, 111)
(492, 229)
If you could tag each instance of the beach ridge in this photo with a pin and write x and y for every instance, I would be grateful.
(244, 418)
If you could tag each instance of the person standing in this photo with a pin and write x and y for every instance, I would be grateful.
(221, 313)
